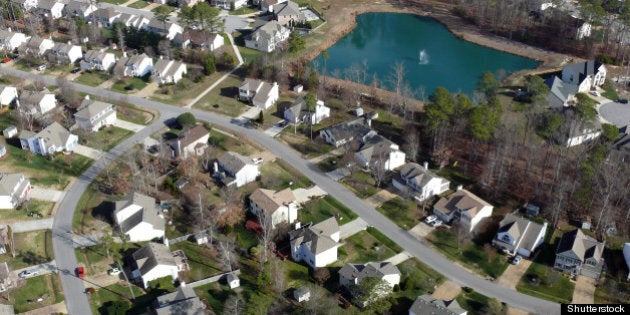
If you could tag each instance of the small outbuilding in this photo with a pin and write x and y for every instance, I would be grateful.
(532, 210)
(10, 132)
(233, 281)
(302, 294)
(298, 88)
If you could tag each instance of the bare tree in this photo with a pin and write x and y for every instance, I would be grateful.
(377, 169)
(228, 254)
(412, 143)
(234, 305)
(264, 219)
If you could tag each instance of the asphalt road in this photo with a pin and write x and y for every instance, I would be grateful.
(616, 113)
(64, 251)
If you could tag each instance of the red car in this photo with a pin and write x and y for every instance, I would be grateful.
(80, 272)
(5, 60)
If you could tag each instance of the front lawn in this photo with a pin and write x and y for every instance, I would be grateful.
(477, 303)
(278, 175)
(222, 98)
(243, 10)
(93, 212)
(115, 1)
(106, 138)
(31, 248)
(542, 281)
(403, 212)
(323, 208)
(32, 206)
(129, 85)
(201, 260)
(136, 115)
(46, 287)
(103, 298)
(248, 54)
(139, 4)
(416, 279)
(93, 78)
(168, 9)
(361, 183)
(362, 247)
(610, 92)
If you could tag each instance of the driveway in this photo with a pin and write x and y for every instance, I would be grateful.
(512, 275)
(380, 198)
(447, 291)
(46, 194)
(421, 230)
(44, 268)
(303, 195)
(128, 125)
(34, 225)
(584, 292)
(59, 308)
(275, 129)
(352, 227)
(338, 174)
(88, 152)
(235, 23)
(615, 113)
(398, 258)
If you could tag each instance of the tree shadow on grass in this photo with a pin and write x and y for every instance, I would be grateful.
(104, 212)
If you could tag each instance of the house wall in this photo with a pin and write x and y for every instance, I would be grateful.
(72, 142)
(396, 159)
(125, 213)
(190, 149)
(159, 271)
(271, 98)
(8, 95)
(392, 279)
(281, 215)
(47, 103)
(144, 232)
(247, 175)
(325, 258)
(485, 212)
(582, 138)
(6, 202)
(442, 216)
(218, 42)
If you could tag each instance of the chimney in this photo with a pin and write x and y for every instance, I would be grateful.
(161, 57)
(216, 167)
(426, 166)
(9, 29)
(182, 284)
(459, 187)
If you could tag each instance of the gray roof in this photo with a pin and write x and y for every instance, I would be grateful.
(95, 54)
(370, 269)
(47, 4)
(32, 98)
(55, 134)
(301, 291)
(316, 238)
(8, 181)
(585, 69)
(426, 304)
(89, 108)
(524, 231)
(151, 255)
(233, 162)
(149, 213)
(105, 13)
(559, 91)
(413, 171)
(182, 301)
(62, 47)
(288, 8)
(580, 245)
(353, 128)
(462, 200)
(164, 67)
(377, 147)
(271, 200)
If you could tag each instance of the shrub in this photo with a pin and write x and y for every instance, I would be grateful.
(186, 119)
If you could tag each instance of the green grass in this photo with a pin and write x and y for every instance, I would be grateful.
(243, 10)
(129, 85)
(134, 114)
(114, 1)
(323, 208)
(384, 239)
(363, 247)
(477, 303)
(90, 211)
(403, 212)
(612, 291)
(139, 4)
(549, 284)
(470, 254)
(185, 91)
(416, 279)
(170, 8)
(361, 183)
(245, 238)
(248, 54)
(222, 100)
(31, 248)
(297, 274)
(93, 78)
(115, 292)
(46, 286)
(200, 260)
(279, 175)
(215, 295)
(21, 214)
(609, 91)
(106, 138)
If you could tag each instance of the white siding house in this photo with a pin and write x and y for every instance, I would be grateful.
(54, 138)
(134, 66)
(280, 205)
(66, 53)
(168, 71)
(586, 75)
(139, 219)
(190, 141)
(378, 150)
(93, 115)
(419, 182)
(11, 40)
(14, 189)
(235, 169)
(37, 102)
(98, 60)
(316, 245)
(261, 94)
(519, 235)
(268, 37)
(154, 261)
(8, 94)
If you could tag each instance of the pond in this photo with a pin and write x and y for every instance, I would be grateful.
(431, 55)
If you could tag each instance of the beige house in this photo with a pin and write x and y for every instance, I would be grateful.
(280, 205)
(580, 254)
(463, 206)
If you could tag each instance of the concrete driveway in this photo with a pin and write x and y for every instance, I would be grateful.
(46, 194)
(88, 152)
(615, 113)
(398, 258)
(44, 268)
(584, 292)
(512, 275)
(421, 230)
(380, 198)
(303, 195)
(34, 225)
(352, 228)
(128, 125)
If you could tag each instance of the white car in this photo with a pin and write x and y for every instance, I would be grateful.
(257, 160)
(595, 93)
(436, 223)
(517, 260)
(430, 219)
(113, 272)
(28, 273)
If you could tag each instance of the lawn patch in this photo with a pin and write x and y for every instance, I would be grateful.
(93, 211)
(170, 8)
(106, 138)
(41, 207)
(93, 78)
(243, 10)
(477, 303)
(134, 114)
(361, 183)
(248, 54)
(323, 208)
(31, 248)
(129, 85)
(103, 297)
(403, 212)
(417, 279)
(139, 4)
(46, 287)
(279, 175)
(223, 98)
(200, 259)
(609, 91)
(363, 247)
(542, 281)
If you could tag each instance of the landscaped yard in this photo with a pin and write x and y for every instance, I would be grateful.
(403, 212)
(139, 4)
(134, 114)
(200, 259)
(487, 262)
(106, 138)
(323, 208)
(31, 248)
(364, 247)
(129, 85)
(222, 98)
(185, 90)
(93, 78)
(46, 287)
(44, 208)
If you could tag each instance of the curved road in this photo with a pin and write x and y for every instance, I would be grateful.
(66, 260)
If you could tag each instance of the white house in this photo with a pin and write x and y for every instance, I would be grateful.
(268, 37)
(470, 209)
(198, 39)
(235, 169)
(132, 20)
(25, 5)
(572, 133)
(316, 245)
(93, 115)
(14, 189)
(11, 40)
(419, 182)
(8, 94)
(190, 141)
(586, 75)
(50, 8)
(65, 53)
(626, 256)
(154, 261)
(281, 205)
(98, 60)
(105, 16)
(54, 138)
(298, 112)
(134, 66)
(268, 5)
(259, 93)
(233, 281)
(36, 46)
(347, 131)
(228, 4)
(426, 304)
(37, 102)
(80, 9)
(353, 274)
(378, 150)
(168, 29)
(168, 71)
(561, 94)
(139, 218)
(519, 235)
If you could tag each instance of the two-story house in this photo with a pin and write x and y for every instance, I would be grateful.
(139, 218)
(419, 182)
(199, 39)
(288, 13)
(316, 245)
(580, 254)
(37, 102)
(36, 47)
(54, 138)
(260, 93)
(586, 75)
(358, 129)
(50, 8)
(154, 261)
(132, 20)
(165, 28)
(8, 95)
(134, 66)
(377, 151)
(98, 60)
(190, 141)
(14, 189)
(183, 301)
(105, 16)
(65, 53)
(80, 9)
(298, 112)
(353, 274)
(10, 41)
(426, 304)
(268, 37)
(168, 71)
(235, 169)
(463, 206)
(519, 236)
(93, 115)
(280, 206)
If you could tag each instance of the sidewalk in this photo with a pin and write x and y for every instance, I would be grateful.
(352, 228)
(398, 258)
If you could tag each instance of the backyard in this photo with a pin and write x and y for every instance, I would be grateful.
(106, 138)
(102, 300)
(29, 210)
(323, 208)
(46, 287)
(201, 259)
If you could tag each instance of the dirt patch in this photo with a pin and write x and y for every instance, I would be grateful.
(512, 275)
(584, 292)
(449, 290)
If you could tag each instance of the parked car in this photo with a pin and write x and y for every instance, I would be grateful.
(257, 160)
(436, 223)
(516, 260)
(75, 70)
(28, 273)
(80, 272)
(595, 93)
(7, 59)
(622, 101)
(41, 68)
(113, 272)
(430, 219)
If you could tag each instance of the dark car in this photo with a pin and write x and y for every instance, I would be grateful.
(75, 70)
(80, 272)
(622, 101)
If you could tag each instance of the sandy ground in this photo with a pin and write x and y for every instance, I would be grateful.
(447, 291)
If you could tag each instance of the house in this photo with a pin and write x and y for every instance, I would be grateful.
(54, 138)
(236, 169)
(519, 235)
(50, 8)
(134, 66)
(10, 41)
(351, 275)
(98, 60)
(269, 5)
(105, 17)
(183, 301)
(190, 141)
(419, 182)
(464, 206)
(267, 37)
(199, 39)
(288, 13)
(316, 245)
(187, 3)
(228, 4)
(259, 93)
(532, 210)
(154, 261)
(93, 115)
(378, 150)
(8, 94)
(302, 294)
(426, 304)
(139, 218)
(37, 102)
(10, 132)
(65, 53)
(165, 28)
(3, 151)
(4, 239)
(36, 47)
(79, 8)
(626, 256)
(281, 205)
(132, 20)
(575, 131)
(586, 75)
(14, 188)
(561, 94)
(347, 131)
(580, 254)
(298, 112)
(168, 71)
(25, 5)
(233, 281)
(5, 284)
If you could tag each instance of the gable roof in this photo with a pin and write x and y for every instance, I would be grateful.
(356, 128)
(233, 161)
(413, 171)
(144, 201)
(559, 91)
(580, 245)
(377, 147)
(189, 135)
(266, 31)
(584, 69)
(8, 181)
(270, 200)
(182, 301)
(106, 13)
(30, 98)
(316, 238)
(426, 304)
(524, 231)
(164, 67)
(463, 200)
(151, 255)
(48, 4)
(95, 54)
(287, 8)
(89, 108)
(55, 134)
(370, 269)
